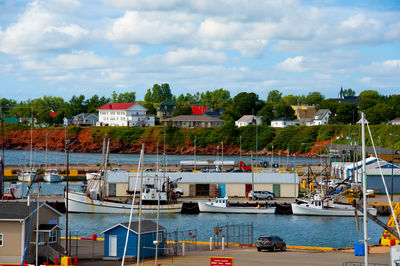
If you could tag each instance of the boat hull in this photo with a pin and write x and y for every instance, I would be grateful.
(52, 178)
(81, 203)
(299, 209)
(207, 207)
(26, 177)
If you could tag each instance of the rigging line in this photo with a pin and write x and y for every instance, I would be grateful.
(383, 180)
(132, 205)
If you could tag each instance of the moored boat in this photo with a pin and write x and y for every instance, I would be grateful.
(52, 176)
(318, 206)
(27, 176)
(221, 205)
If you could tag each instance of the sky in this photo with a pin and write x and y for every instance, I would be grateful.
(70, 47)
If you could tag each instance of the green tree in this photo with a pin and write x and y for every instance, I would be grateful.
(394, 102)
(284, 110)
(274, 96)
(379, 113)
(247, 103)
(349, 92)
(126, 97)
(346, 113)
(182, 109)
(77, 105)
(6, 105)
(147, 96)
(215, 99)
(330, 104)
(368, 99)
(293, 99)
(94, 103)
(150, 108)
(267, 113)
(314, 98)
(114, 96)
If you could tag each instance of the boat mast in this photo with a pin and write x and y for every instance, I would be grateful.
(2, 157)
(103, 182)
(364, 175)
(158, 214)
(30, 161)
(140, 206)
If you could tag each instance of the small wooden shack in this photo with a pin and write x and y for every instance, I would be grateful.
(115, 238)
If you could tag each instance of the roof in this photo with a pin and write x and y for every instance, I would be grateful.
(48, 227)
(247, 118)
(84, 115)
(198, 110)
(19, 210)
(197, 118)
(396, 119)
(306, 113)
(147, 226)
(116, 106)
(12, 120)
(322, 112)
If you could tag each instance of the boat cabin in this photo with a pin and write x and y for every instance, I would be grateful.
(220, 202)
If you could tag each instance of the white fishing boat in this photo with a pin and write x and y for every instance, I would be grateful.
(221, 205)
(95, 198)
(318, 206)
(52, 176)
(83, 203)
(27, 176)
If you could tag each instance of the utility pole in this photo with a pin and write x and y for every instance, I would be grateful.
(2, 157)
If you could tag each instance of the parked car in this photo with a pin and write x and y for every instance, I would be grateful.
(261, 195)
(270, 242)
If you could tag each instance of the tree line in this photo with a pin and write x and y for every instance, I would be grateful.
(378, 108)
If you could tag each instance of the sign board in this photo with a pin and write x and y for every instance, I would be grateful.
(225, 261)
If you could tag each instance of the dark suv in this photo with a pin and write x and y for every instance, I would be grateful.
(270, 242)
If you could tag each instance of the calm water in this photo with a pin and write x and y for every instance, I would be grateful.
(39, 157)
(296, 230)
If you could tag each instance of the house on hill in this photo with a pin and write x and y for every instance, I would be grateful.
(124, 114)
(189, 121)
(85, 119)
(248, 120)
(283, 122)
(18, 228)
(348, 99)
(166, 108)
(395, 121)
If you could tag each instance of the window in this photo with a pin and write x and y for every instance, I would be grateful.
(1, 240)
(53, 236)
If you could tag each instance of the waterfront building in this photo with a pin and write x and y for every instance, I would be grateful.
(124, 114)
(115, 238)
(395, 121)
(209, 184)
(18, 228)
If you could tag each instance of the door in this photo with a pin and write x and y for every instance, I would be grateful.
(276, 189)
(248, 188)
(112, 190)
(221, 190)
(112, 246)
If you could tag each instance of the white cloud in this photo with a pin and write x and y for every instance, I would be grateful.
(152, 28)
(292, 64)
(194, 57)
(40, 30)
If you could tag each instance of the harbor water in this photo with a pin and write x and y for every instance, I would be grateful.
(333, 232)
(22, 157)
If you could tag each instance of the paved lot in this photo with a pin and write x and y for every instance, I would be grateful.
(250, 256)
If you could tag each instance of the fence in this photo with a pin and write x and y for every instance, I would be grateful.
(85, 248)
(175, 240)
(241, 234)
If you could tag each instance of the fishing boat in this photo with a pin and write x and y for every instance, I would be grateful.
(95, 198)
(27, 176)
(52, 176)
(317, 205)
(222, 205)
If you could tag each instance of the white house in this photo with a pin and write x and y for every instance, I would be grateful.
(124, 114)
(321, 117)
(395, 121)
(248, 120)
(283, 122)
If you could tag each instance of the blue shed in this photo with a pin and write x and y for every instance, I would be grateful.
(115, 237)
